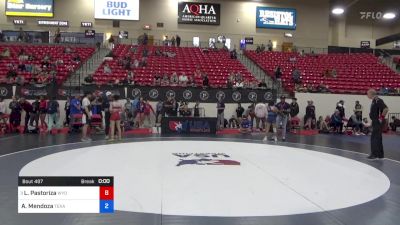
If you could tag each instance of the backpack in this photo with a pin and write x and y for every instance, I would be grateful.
(52, 107)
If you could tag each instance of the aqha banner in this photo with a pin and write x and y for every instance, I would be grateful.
(199, 13)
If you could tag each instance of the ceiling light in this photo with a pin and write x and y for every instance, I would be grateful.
(338, 11)
(389, 16)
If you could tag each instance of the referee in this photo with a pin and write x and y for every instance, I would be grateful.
(377, 115)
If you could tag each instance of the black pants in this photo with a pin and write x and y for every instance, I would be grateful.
(27, 118)
(376, 139)
(107, 116)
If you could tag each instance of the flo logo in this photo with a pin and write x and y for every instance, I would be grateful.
(205, 159)
(187, 126)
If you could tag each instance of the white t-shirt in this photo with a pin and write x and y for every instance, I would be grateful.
(2, 107)
(85, 103)
(261, 110)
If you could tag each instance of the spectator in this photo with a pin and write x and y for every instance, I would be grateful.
(196, 110)
(206, 81)
(296, 76)
(395, 123)
(178, 41)
(239, 84)
(334, 73)
(89, 79)
(337, 122)
(174, 79)
(145, 39)
(159, 111)
(367, 127)
(111, 42)
(220, 113)
(309, 118)
(2, 110)
(358, 110)
(107, 69)
(27, 107)
(270, 46)
(294, 108)
(283, 114)
(87, 116)
(157, 80)
(262, 84)
(43, 111)
(53, 113)
(233, 122)
(322, 88)
(77, 58)
(173, 40)
(245, 125)
(233, 54)
(356, 124)
(116, 109)
(341, 108)
(271, 121)
(34, 115)
(140, 109)
(183, 79)
(147, 110)
(250, 113)
(261, 113)
(57, 36)
(165, 80)
(278, 75)
(5, 53)
(322, 126)
(239, 111)
(191, 81)
(15, 115)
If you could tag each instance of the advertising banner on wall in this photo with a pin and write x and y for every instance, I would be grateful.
(116, 10)
(365, 44)
(6, 91)
(38, 8)
(276, 18)
(199, 13)
(191, 94)
(188, 125)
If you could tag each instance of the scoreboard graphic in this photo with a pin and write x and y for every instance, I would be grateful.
(65, 194)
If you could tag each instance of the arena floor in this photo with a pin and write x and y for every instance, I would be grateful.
(232, 179)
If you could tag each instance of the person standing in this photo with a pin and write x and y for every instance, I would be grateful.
(43, 112)
(178, 41)
(27, 107)
(358, 110)
(53, 113)
(239, 112)
(196, 110)
(159, 110)
(87, 116)
(75, 109)
(294, 108)
(261, 114)
(377, 115)
(67, 109)
(283, 109)
(310, 116)
(116, 109)
(271, 121)
(220, 114)
(15, 115)
(105, 105)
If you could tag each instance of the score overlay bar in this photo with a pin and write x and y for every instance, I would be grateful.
(65, 195)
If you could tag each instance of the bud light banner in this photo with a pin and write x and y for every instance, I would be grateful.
(116, 9)
(38, 8)
(198, 13)
(276, 18)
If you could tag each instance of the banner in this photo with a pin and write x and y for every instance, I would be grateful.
(64, 92)
(199, 13)
(201, 95)
(276, 18)
(6, 91)
(37, 8)
(31, 92)
(116, 10)
(188, 125)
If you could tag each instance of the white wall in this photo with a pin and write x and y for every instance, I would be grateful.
(312, 27)
(326, 103)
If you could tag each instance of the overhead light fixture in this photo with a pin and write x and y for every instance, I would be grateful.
(288, 35)
(389, 16)
(338, 11)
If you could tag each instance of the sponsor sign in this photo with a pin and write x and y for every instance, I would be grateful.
(116, 10)
(53, 23)
(199, 13)
(37, 8)
(188, 125)
(276, 18)
(365, 44)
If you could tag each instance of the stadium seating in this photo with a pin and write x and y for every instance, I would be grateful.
(39, 51)
(356, 72)
(216, 64)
